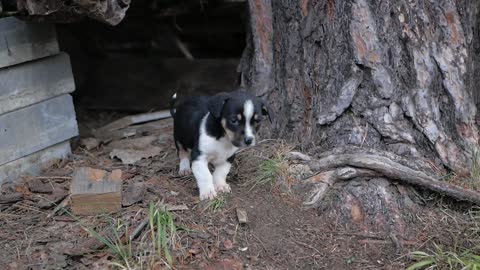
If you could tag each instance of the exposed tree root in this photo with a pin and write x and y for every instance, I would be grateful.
(373, 163)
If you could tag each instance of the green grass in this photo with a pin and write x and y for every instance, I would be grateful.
(269, 171)
(217, 203)
(443, 259)
(455, 257)
(166, 232)
(154, 247)
(474, 179)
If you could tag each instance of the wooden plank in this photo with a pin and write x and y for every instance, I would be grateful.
(36, 127)
(32, 82)
(107, 131)
(33, 164)
(25, 41)
(96, 191)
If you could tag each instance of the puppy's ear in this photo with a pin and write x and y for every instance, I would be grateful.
(216, 103)
(266, 111)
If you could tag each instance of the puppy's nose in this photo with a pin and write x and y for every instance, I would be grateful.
(248, 140)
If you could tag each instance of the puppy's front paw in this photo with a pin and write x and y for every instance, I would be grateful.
(223, 188)
(184, 171)
(207, 194)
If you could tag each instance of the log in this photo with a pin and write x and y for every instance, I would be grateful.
(96, 191)
(23, 41)
(28, 130)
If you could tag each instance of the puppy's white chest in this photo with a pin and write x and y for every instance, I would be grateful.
(216, 151)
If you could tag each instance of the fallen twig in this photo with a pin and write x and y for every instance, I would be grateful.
(61, 205)
(53, 177)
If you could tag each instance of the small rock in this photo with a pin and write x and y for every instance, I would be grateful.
(253, 259)
(89, 143)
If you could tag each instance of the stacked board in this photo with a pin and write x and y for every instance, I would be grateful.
(37, 117)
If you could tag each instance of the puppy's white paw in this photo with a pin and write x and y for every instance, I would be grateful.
(184, 171)
(223, 188)
(208, 194)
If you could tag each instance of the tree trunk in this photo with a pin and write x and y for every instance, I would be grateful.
(399, 77)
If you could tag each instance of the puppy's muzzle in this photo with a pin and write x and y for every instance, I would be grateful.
(248, 140)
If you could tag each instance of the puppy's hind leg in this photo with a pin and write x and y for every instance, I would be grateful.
(184, 167)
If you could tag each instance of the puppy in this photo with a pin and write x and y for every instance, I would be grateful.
(211, 130)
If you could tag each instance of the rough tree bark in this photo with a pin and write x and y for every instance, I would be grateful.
(398, 77)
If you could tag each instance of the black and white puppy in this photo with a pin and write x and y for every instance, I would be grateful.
(211, 130)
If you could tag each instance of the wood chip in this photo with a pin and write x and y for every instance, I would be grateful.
(10, 198)
(62, 205)
(49, 200)
(134, 193)
(37, 185)
(130, 156)
(242, 216)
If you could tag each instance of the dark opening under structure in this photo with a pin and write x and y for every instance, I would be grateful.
(190, 47)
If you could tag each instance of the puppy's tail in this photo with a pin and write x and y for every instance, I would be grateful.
(173, 101)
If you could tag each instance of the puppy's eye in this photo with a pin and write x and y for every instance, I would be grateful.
(234, 121)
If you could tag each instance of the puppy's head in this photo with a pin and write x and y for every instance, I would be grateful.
(240, 115)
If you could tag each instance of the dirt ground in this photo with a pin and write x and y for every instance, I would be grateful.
(279, 234)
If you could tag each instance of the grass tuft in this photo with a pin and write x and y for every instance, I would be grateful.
(155, 246)
(270, 171)
(217, 203)
(442, 259)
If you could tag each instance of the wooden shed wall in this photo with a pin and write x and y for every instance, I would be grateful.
(37, 117)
